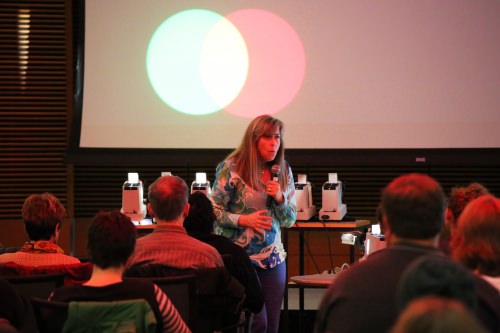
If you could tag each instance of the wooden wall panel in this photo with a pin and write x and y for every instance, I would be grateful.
(34, 108)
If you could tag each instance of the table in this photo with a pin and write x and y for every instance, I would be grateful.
(144, 227)
(301, 226)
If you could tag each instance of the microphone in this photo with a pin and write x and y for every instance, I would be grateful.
(275, 171)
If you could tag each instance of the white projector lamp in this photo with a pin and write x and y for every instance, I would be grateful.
(201, 184)
(133, 198)
(332, 209)
(303, 193)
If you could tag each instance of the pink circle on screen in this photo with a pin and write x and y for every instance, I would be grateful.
(276, 63)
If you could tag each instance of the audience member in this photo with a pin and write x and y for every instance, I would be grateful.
(169, 244)
(43, 215)
(111, 241)
(413, 209)
(476, 239)
(200, 223)
(459, 198)
(437, 276)
(434, 314)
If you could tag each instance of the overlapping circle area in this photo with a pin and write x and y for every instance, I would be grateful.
(246, 63)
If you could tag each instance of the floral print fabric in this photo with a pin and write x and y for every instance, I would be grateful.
(232, 197)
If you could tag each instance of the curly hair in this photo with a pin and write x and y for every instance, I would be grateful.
(460, 196)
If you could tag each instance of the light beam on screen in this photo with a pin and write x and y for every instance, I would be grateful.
(277, 63)
(224, 62)
(188, 71)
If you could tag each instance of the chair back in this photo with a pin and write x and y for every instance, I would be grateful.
(74, 273)
(37, 285)
(50, 315)
(488, 305)
(228, 261)
(110, 317)
(117, 316)
(220, 298)
(219, 295)
(181, 290)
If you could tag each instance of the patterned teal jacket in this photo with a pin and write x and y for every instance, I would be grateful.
(232, 197)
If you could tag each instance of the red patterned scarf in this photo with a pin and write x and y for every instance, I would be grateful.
(41, 246)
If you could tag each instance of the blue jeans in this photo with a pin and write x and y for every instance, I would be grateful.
(273, 288)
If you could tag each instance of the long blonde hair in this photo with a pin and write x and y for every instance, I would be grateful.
(247, 159)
